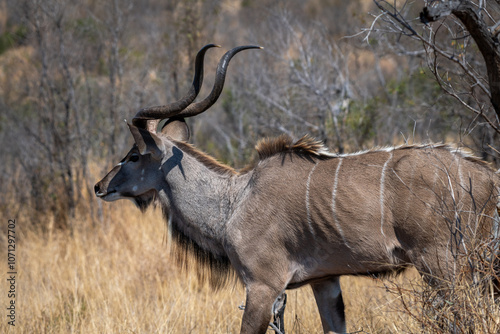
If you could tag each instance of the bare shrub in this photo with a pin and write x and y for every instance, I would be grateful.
(467, 301)
(457, 42)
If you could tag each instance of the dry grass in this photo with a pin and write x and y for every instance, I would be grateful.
(118, 278)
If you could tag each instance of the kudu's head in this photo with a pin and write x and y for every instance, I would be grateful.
(140, 175)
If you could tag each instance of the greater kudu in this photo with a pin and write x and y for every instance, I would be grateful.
(302, 215)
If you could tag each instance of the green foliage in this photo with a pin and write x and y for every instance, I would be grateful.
(13, 38)
(102, 67)
(228, 102)
(420, 84)
(86, 29)
(360, 121)
(417, 100)
(26, 110)
(246, 3)
(3, 120)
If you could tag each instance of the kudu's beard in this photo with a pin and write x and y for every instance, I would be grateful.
(143, 201)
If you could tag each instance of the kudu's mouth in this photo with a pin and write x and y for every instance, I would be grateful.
(101, 194)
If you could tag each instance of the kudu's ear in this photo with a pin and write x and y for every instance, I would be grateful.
(147, 142)
(176, 129)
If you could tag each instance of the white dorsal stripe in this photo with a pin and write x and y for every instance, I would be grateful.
(382, 188)
(309, 220)
(459, 151)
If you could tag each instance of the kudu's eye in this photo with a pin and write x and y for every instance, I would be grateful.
(134, 157)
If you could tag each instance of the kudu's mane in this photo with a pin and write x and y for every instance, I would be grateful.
(305, 146)
(207, 160)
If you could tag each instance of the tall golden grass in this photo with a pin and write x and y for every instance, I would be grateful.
(118, 277)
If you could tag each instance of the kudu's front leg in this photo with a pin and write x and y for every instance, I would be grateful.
(258, 308)
(328, 297)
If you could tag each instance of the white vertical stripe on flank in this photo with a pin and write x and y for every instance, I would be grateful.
(309, 221)
(496, 218)
(382, 187)
(460, 174)
(334, 200)
(462, 185)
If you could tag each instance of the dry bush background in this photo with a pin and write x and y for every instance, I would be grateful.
(71, 72)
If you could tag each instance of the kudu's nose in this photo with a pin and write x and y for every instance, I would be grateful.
(97, 190)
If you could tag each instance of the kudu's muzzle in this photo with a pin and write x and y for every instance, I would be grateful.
(103, 188)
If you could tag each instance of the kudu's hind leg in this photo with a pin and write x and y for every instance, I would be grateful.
(328, 297)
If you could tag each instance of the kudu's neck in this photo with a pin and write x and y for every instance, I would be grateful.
(199, 200)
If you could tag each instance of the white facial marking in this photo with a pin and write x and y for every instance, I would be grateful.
(382, 187)
(309, 221)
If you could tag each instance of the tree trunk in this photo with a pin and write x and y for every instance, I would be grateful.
(471, 17)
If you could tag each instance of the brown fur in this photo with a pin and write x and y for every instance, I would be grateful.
(463, 152)
(206, 160)
(285, 144)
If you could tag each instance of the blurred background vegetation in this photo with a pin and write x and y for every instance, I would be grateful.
(71, 72)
